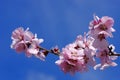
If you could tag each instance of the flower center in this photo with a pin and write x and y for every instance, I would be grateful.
(103, 27)
(101, 36)
(86, 58)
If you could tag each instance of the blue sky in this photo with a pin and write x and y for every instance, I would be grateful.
(58, 22)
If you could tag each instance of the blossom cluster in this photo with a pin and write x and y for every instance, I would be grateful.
(77, 56)
(100, 29)
(26, 41)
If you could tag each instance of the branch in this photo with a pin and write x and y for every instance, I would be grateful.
(114, 54)
(54, 51)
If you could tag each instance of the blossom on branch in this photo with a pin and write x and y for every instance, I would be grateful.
(101, 27)
(106, 59)
(26, 41)
(76, 57)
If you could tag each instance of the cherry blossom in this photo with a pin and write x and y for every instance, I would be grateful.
(101, 27)
(71, 60)
(19, 43)
(100, 45)
(106, 59)
(26, 41)
(76, 57)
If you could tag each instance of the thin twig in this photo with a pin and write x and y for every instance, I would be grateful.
(50, 51)
(114, 54)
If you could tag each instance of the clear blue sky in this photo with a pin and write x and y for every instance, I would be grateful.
(58, 22)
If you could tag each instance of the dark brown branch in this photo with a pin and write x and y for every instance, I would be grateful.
(50, 51)
(114, 54)
(111, 53)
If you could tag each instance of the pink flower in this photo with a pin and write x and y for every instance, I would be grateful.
(18, 34)
(86, 43)
(76, 57)
(105, 59)
(102, 26)
(89, 51)
(18, 43)
(71, 61)
(20, 46)
(34, 47)
(25, 41)
(100, 45)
